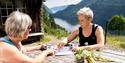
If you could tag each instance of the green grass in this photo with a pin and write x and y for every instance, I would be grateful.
(47, 38)
(116, 41)
(59, 33)
(50, 27)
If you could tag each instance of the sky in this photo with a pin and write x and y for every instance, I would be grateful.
(53, 5)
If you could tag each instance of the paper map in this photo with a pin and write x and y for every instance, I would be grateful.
(64, 51)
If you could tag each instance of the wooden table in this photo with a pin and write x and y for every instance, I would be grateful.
(60, 59)
(71, 58)
(54, 59)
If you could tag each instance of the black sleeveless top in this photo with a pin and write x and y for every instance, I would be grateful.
(90, 40)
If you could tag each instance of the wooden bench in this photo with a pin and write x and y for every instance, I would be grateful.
(32, 37)
(36, 34)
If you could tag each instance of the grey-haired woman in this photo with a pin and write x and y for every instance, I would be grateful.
(17, 27)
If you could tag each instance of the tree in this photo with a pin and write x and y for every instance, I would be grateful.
(117, 23)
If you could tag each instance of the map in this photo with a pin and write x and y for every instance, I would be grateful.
(64, 51)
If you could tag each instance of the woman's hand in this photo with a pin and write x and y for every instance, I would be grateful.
(77, 48)
(49, 51)
(43, 47)
(62, 43)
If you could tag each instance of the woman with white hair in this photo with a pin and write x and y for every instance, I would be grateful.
(90, 35)
(17, 27)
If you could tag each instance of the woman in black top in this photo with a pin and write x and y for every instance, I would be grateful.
(90, 35)
(90, 40)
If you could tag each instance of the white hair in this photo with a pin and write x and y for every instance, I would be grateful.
(16, 23)
(86, 11)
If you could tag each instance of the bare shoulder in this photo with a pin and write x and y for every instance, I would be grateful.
(6, 48)
(76, 31)
(99, 30)
(7, 52)
(12, 54)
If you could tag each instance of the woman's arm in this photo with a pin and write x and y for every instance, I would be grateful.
(32, 48)
(13, 55)
(73, 35)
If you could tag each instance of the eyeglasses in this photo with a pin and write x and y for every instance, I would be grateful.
(28, 29)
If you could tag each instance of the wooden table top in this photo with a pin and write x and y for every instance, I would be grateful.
(60, 59)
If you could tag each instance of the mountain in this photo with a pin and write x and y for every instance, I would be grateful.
(103, 10)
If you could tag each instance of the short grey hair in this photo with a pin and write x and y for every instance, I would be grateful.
(86, 11)
(17, 22)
